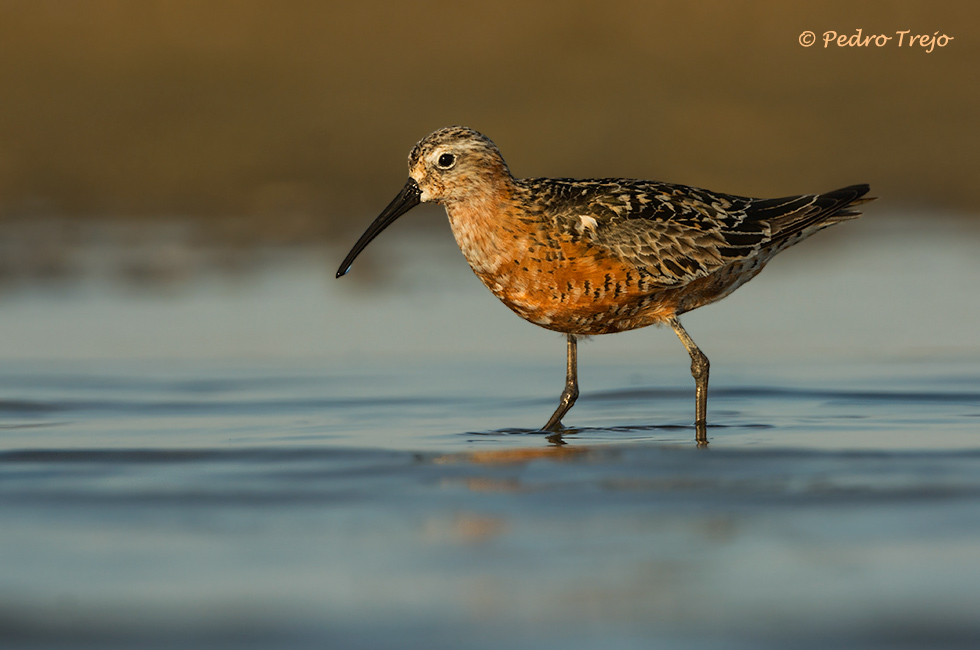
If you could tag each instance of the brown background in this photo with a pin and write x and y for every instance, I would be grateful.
(303, 112)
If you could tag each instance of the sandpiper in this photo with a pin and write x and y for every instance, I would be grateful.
(598, 256)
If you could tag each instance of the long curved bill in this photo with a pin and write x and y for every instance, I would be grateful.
(408, 198)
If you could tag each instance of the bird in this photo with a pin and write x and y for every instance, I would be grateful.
(598, 256)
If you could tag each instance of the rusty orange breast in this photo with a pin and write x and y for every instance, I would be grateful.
(550, 279)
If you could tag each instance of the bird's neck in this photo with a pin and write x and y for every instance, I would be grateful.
(484, 224)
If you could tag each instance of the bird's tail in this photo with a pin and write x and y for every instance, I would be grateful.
(839, 205)
(820, 211)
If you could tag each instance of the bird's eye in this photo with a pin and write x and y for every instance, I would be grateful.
(446, 160)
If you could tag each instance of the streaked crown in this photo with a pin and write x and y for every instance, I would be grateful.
(455, 164)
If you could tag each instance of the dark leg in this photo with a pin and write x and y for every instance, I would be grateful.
(570, 394)
(699, 370)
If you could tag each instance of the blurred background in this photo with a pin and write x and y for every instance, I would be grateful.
(159, 143)
(203, 432)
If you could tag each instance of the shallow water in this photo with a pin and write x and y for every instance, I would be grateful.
(288, 461)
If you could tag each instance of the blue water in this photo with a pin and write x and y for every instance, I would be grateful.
(202, 506)
(287, 462)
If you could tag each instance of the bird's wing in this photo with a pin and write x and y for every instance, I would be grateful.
(677, 234)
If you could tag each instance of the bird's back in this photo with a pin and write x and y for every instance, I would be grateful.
(676, 233)
(607, 255)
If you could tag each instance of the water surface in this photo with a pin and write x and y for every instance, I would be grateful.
(288, 461)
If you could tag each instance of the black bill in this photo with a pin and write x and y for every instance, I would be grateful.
(408, 198)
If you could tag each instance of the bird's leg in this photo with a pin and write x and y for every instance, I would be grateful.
(699, 370)
(570, 394)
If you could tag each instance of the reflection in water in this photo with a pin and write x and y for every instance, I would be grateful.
(207, 484)
(510, 456)
(236, 463)
(463, 528)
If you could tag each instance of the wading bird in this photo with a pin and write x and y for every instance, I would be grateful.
(598, 256)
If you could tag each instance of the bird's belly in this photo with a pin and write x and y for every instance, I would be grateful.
(597, 297)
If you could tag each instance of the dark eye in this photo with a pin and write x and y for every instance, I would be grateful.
(447, 160)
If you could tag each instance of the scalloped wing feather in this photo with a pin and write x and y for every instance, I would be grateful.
(676, 234)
